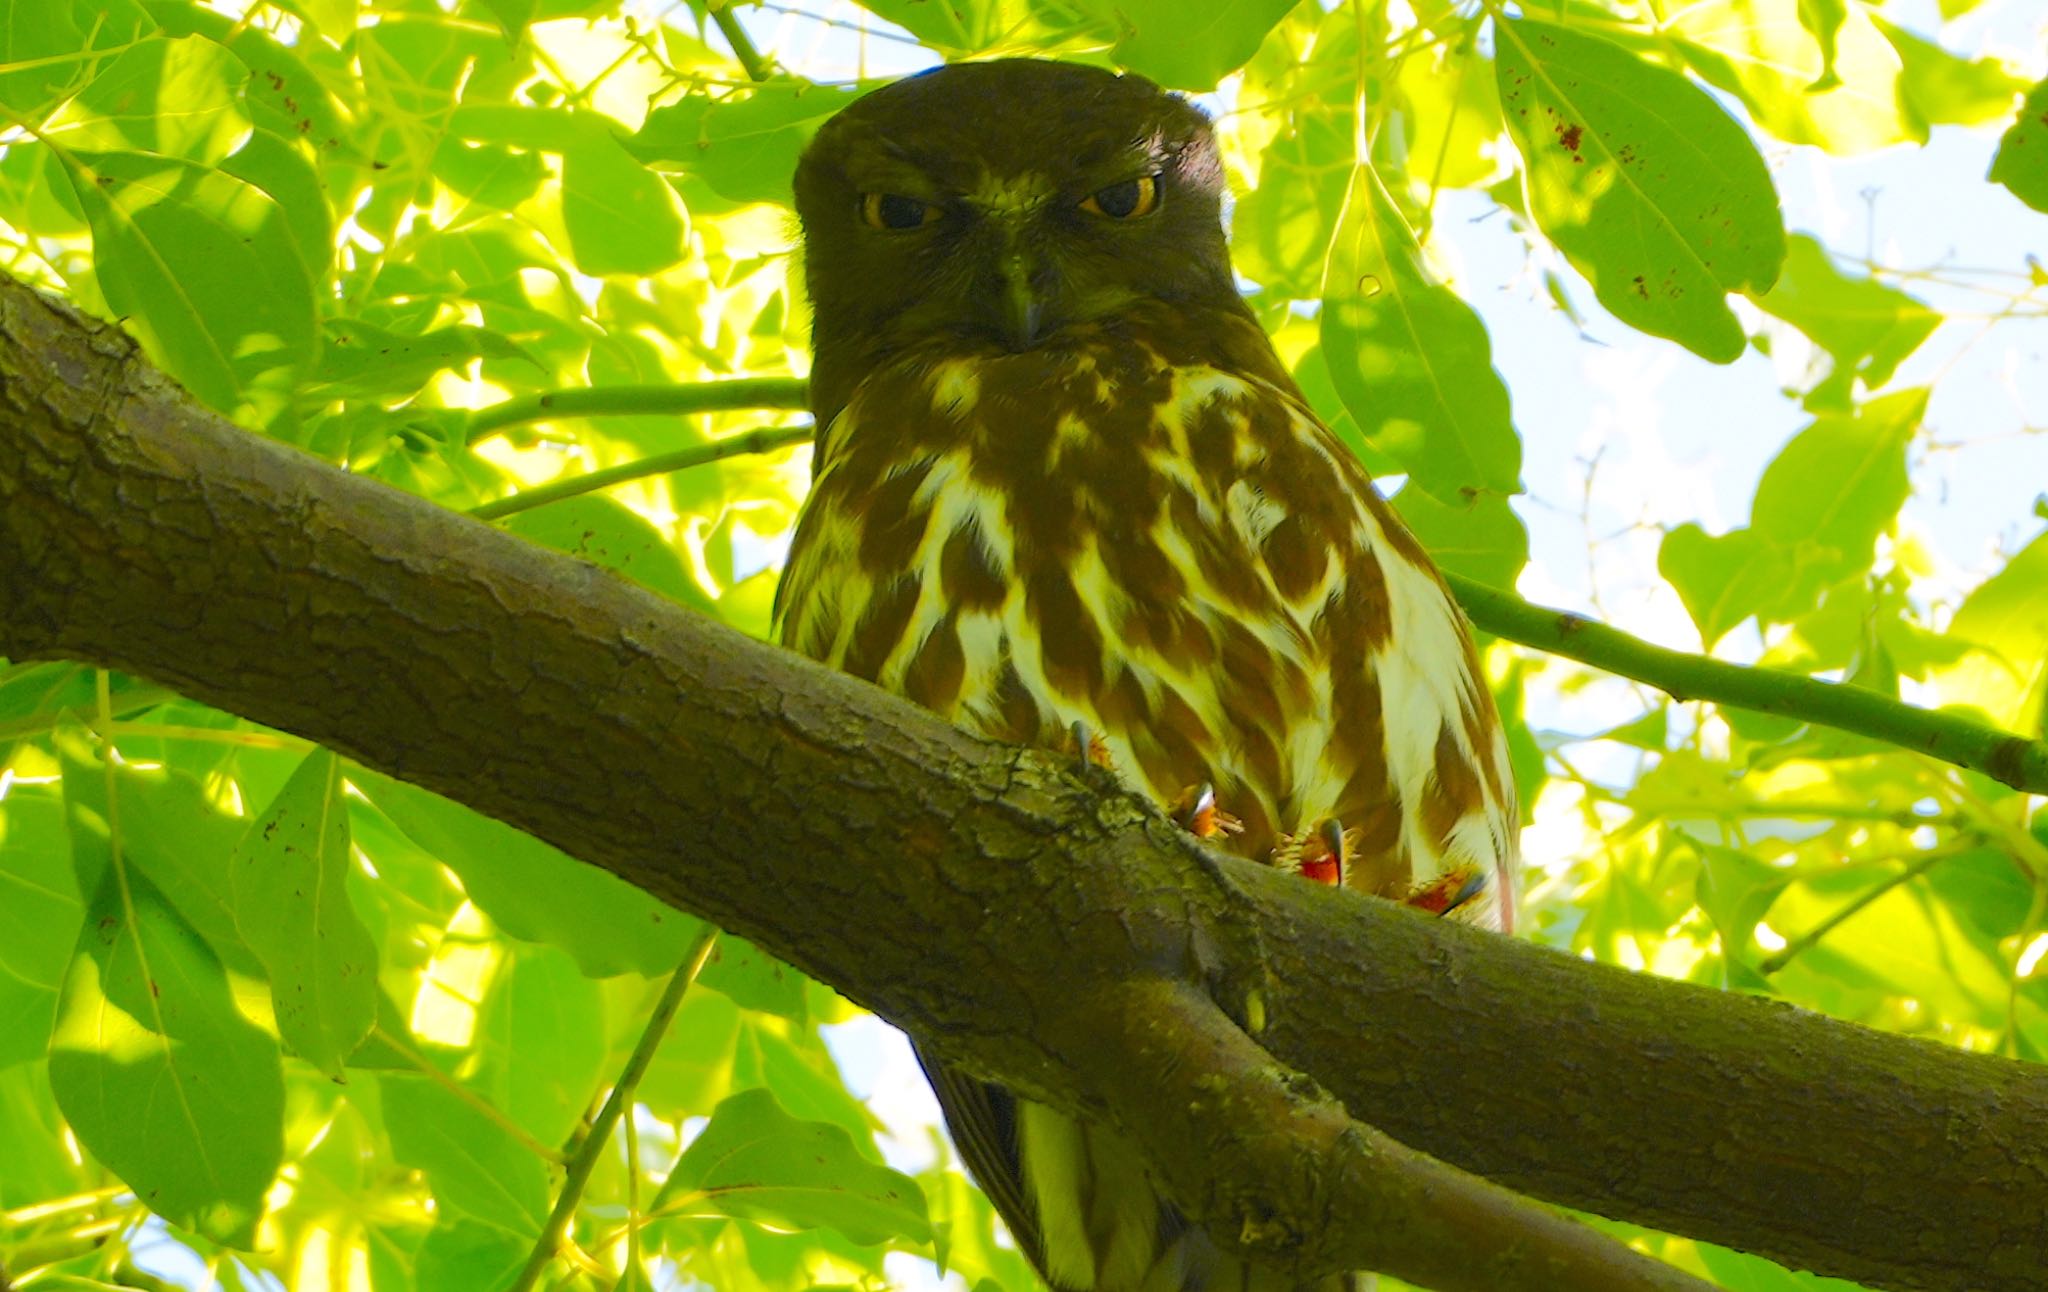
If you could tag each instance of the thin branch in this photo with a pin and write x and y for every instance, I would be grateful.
(670, 401)
(742, 44)
(765, 439)
(2010, 759)
(1808, 940)
(592, 1147)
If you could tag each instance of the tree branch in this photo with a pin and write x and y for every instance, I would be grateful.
(804, 810)
(2010, 759)
(659, 401)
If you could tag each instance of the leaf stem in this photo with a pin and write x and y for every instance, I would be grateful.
(665, 400)
(742, 44)
(764, 439)
(1806, 941)
(592, 1147)
(2003, 756)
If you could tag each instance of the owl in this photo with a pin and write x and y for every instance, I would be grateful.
(1067, 494)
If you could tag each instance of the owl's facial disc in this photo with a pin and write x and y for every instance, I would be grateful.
(993, 208)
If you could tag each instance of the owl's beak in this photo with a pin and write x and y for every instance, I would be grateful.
(1022, 310)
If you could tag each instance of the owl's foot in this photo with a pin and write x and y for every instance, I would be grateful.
(1088, 749)
(1319, 855)
(1195, 811)
(1448, 891)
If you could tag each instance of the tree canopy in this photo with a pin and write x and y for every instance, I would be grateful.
(272, 1015)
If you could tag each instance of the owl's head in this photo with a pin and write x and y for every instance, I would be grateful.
(1002, 203)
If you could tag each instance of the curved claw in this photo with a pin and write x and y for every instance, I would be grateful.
(1448, 891)
(1196, 812)
(1323, 853)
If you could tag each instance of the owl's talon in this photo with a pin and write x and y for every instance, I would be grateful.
(1195, 811)
(1323, 852)
(1448, 891)
(1089, 749)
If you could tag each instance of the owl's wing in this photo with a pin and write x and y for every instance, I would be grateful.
(983, 1122)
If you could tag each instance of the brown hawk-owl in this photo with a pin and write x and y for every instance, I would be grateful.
(1063, 482)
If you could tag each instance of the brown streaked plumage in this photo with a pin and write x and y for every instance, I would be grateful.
(1063, 476)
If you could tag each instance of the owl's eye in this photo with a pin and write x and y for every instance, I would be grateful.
(1125, 201)
(895, 212)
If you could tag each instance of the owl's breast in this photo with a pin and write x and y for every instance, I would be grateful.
(1178, 556)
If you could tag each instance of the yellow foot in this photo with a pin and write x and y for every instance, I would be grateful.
(1195, 811)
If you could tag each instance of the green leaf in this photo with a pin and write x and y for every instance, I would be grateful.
(180, 98)
(622, 218)
(745, 148)
(541, 1036)
(1824, 19)
(753, 978)
(535, 892)
(158, 1073)
(40, 911)
(292, 905)
(2022, 161)
(1188, 44)
(51, 47)
(1481, 539)
(1868, 329)
(1722, 580)
(591, 527)
(207, 269)
(1832, 490)
(360, 360)
(1280, 231)
(1938, 88)
(1736, 891)
(1410, 359)
(472, 1162)
(1761, 52)
(1647, 186)
(2004, 624)
(756, 1162)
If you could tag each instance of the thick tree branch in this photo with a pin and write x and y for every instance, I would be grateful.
(2001, 755)
(804, 810)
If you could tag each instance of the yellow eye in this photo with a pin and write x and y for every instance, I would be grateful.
(895, 213)
(1125, 201)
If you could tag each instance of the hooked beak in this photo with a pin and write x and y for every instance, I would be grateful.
(1020, 312)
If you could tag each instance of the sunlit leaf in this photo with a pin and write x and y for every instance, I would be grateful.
(48, 50)
(2022, 161)
(1867, 328)
(541, 1040)
(1481, 539)
(180, 98)
(292, 905)
(1940, 88)
(40, 910)
(1411, 360)
(472, 1161)
(756, 1162)
(745, 148)
(1646, 184)
(2004, 623)
(533, 891)
(622, 218)
(1188, 44)
(157, 1072)
(1723, 579)
(1759, 51)
(207, 269)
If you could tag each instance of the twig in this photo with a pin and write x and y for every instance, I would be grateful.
(742, 44)
(1806, 941)
(765, 439)
(615, 1104)
(672, 401)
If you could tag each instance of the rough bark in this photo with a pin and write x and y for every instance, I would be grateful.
(807, 811)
